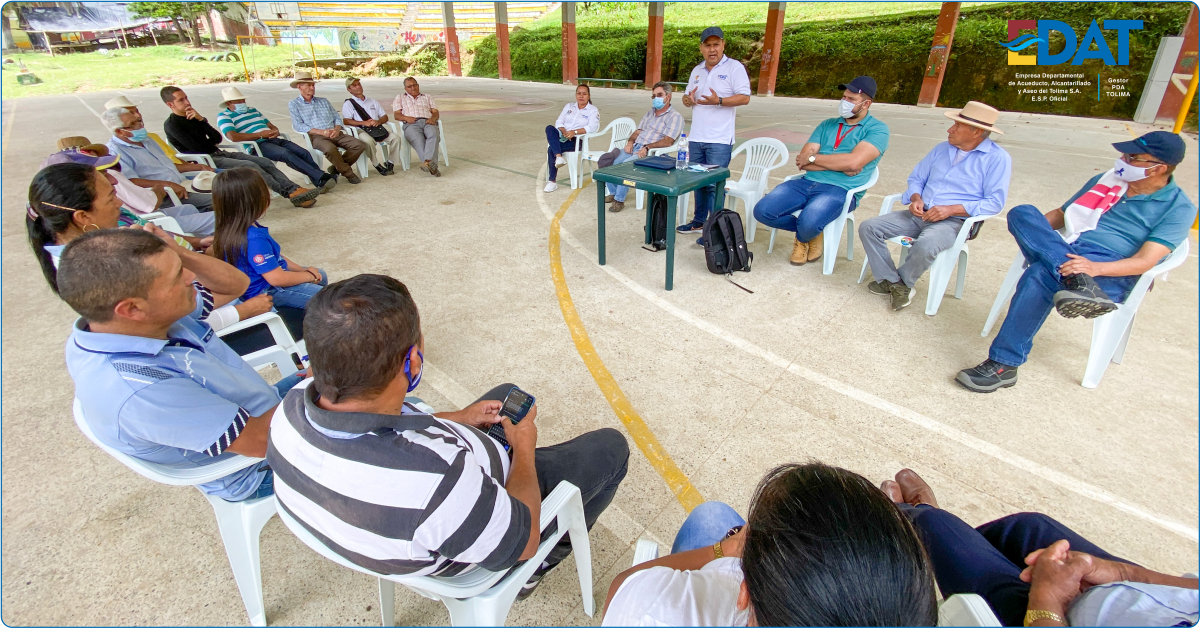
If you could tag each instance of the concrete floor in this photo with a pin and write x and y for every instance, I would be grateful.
(731, 384)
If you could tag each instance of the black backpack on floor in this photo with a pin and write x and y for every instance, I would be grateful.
(658, 223)
(725, 245)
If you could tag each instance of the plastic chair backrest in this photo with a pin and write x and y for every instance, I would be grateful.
(622, 128)
(1168, 263)
(763, 154)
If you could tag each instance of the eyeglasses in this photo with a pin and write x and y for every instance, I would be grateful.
(1130, 159)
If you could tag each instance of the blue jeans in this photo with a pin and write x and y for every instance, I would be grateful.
(299, 295)
(988, 560)
(712, 155)
(619, 192)
(707, 524)
(1045, 251)
(294, 155)
(819, 204)
(289, 382)
(556, 148)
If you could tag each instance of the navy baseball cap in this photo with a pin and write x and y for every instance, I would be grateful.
(861, 85)
(710, 31)
(73, 156)
(1166, 146)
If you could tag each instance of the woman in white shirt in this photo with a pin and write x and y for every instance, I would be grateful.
(823, 547)
(577, 118)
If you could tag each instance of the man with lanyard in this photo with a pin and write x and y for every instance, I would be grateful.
(714, 89)
(839, 156)
(366, 114)
(658, 129)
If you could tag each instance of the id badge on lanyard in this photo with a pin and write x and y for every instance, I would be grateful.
(839, 136)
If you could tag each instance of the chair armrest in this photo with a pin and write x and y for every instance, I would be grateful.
(556, 502)
(965, 230)
(168, 224)
(285, 136)
(645, 551)
(196, 158)
(798, 175)
(250, 148)
(173, 196)
(665, 150)
(889, 202)
(275, 324)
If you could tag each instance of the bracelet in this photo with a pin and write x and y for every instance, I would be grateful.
(717, 553)
(1032, 616)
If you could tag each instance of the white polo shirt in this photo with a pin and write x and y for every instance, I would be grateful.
(714, 124)
(572, 117)
(369, 105)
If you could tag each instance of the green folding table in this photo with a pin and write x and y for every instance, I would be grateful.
(669, 183)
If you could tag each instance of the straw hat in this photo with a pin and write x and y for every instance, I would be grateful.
(231, 93)
(978, 115)
(120, 102)
(203, 182)
(79, 142)
(302, 76)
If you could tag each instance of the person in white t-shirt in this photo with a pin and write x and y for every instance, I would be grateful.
(375, 118)
(823, 547)
(577, 118)
(713, 91)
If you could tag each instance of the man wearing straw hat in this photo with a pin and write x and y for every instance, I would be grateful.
(121, 102)
(965, 176)
(242, 123)
(314, 115)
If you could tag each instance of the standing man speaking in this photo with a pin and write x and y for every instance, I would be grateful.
(714, 89)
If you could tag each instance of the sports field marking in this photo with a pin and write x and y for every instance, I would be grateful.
(12, 114)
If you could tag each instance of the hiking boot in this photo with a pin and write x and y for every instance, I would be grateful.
(902, 296)
(1081, 296)
(353, 178)
(304, 197)
(691, 227)
(883, 288)
(616, 206)
(328, 182)
(799, 253)
(816, 247)
(988, 376)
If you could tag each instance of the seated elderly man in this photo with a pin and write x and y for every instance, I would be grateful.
(368, 115)
(121, 102)
(1120, 224)
(659, 128)
(242, 123)
(963, 177)
(399, 491)
(839, 156)
(145, 164)
(420, 116)
(154, 381)
(189, 132)
(314, 115)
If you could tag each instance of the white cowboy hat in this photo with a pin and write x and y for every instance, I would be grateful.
(302, 76)
(120, 102)
(231, 93)
(977, 115)
(203, 182)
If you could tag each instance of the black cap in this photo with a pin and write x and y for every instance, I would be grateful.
(861, 85)
(1164, 145)
(710, 31)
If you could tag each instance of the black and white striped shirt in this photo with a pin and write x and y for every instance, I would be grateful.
(409, 494)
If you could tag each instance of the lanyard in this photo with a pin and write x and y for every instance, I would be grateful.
(841, 136)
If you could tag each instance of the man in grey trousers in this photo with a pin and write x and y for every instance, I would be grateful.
(963, 177)
(419, 115)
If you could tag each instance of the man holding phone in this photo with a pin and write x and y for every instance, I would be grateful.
(402, 491)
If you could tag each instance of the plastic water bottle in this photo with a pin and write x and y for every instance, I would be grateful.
(681, 155)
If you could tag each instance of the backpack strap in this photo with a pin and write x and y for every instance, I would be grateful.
(731, 229)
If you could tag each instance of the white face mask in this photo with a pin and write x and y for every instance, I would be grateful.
(846, 109)
(1127, 173)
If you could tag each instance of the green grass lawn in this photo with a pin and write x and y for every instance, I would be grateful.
(687, 14)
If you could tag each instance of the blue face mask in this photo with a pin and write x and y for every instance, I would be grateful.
(240, 108)
(413, 381)
(140, 135)
(658, 103)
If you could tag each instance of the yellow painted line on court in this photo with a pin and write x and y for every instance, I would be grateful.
(679, 483)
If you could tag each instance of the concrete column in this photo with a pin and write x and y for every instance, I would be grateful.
(453, 64)
(570, 45)
(770, 50)
(939, 54)
(504, 58)
(654, 44)
(1185, 66)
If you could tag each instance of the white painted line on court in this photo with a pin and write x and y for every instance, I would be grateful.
(89, 107)
(1063, 480)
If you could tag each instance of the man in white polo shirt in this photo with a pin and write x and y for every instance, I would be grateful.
(366, 114)
(714, 89)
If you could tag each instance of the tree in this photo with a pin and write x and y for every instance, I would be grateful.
(192, 12)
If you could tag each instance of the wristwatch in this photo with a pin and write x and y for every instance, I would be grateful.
(720, 101)
(812, 159)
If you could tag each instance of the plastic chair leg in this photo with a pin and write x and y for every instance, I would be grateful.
(962, 273)
(573, 169)
(640, 198)
(850, 238)
(387, 601)
(480, 611)
(1119, 354)
(863, 273)
(833, 238)
(771, 246)
(939, 279)
(582, 549)
(1108, 332)
(240, 524)
(751, 223)
(1006, 291)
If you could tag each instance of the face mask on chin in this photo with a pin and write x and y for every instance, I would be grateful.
(1128, 173)
(846, 109)
(658, 103)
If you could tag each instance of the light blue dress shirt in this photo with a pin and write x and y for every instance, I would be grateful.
(1135, 604)
(979, 182)
(147, 161)
(317, 114)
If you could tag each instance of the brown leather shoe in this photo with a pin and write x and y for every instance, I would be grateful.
(893, 491)
(353, 178)
(915, 490)
(799, 253)
(616, 206)
(816, 247)
(610, 198)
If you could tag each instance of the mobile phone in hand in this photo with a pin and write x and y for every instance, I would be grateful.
(515, 407)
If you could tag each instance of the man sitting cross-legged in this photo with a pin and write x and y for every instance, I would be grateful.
(1120, 224)
(154, 381)
(963, 177)
(399, 491)
(242, 123)
(366, 113)
(658, 129)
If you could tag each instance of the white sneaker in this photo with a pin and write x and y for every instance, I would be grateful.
(559, 162)
(550, 186)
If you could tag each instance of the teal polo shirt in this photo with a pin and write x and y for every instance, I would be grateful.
(869, 130)
(1164, 216)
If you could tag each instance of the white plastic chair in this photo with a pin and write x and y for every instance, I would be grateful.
(406, 149)
(943, 265)
(480, 597)
(319, 157)
(240, 523)
(833, 230)
(1110, 333)
(279, 333)
(763, 154)
(380, 148)
(640, 195)
(621, 129)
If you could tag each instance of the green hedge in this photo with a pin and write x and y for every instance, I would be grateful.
(816, 56)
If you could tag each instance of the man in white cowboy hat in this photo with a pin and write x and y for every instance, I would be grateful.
(367, 114)
(145, 163)
(189, 132)
(121, 102)
(314, 115)
(965, 176)
(242, 123)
